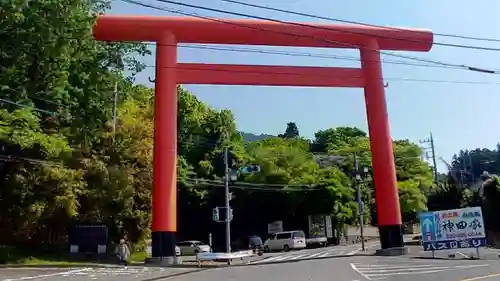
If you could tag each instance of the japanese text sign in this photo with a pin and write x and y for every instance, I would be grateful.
(464, 226)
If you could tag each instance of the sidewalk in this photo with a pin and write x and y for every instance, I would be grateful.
(129, 273)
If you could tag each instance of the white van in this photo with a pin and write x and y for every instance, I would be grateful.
(286, 241)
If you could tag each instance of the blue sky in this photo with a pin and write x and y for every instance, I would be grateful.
(460, 116)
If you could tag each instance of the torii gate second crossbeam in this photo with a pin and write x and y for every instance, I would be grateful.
(167, 32)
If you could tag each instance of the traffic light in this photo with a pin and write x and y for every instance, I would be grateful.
(250, 169)
(230, 214)
(254, 168)
(215, 214)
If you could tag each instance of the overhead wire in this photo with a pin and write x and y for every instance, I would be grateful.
(304, 54)
(293, 54)
(327, 76)
(374, 25)
(463, 66)
(26, 106)
(253, 50)
(255, 186)
(8, 158)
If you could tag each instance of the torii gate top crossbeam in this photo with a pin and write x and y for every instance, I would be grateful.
(253, 32)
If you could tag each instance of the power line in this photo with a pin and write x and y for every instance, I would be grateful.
(6, 158)
(255, 186)
(464, 67)
(26, 106)
(285, 53)
(326, 76)
(305, 54)
(378, 26)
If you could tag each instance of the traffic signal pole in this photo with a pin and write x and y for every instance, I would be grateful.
(226, 194)
(357, 178)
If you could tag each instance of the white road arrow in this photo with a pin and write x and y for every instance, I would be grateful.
(427, 225)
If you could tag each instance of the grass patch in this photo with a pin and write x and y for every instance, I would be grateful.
(138, 256)
(23, 256)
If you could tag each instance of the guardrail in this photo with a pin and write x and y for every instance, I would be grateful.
(223, 256)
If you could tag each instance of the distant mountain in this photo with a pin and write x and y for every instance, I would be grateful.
(249, 137)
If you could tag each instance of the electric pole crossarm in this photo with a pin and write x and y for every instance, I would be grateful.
(430, 141)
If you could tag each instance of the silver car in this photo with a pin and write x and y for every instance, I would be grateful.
(193, 247)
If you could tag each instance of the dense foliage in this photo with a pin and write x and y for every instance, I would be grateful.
(62, 161)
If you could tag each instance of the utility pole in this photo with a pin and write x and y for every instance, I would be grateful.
(357, 179)
(430, 141)
(471, 168)
(115, 102)
(226, 197)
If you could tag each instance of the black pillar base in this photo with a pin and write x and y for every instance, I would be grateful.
(391, 236)
(163, 244)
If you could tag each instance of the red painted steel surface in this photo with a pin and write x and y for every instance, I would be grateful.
(224, 74)
(384, 170)
(168, 31)
(165, 138)
(234, 31)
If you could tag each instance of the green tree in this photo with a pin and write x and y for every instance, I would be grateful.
(291, 131)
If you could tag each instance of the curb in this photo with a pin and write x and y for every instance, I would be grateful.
(175, 274)
(187, 266)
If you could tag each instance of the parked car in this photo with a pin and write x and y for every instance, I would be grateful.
(193, 247)
(286, 241)
(252, 242)
(317, 240)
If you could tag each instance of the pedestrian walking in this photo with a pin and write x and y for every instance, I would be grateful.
(123, 252)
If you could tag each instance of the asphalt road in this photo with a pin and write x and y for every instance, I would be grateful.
(331, 263)
(356, 268)
(409, 269)
(484, 253)
(318, 253)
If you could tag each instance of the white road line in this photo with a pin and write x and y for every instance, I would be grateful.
(313, 255)
(359, 272)
(285, 257)
(324, 254)
(374, 267)
(269, 259)
(368, 272)
(403, 273)
(463, 255)
(299, 256)
(49, 275)
(354, 252)
(382, 271)
(471, 266)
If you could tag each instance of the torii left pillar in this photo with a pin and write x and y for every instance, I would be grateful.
(164, 224)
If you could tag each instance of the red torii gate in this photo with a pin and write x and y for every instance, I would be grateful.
(167, 32)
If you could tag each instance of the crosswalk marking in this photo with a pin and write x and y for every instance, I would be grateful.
(298, 257)
(314, 255)
(348, 250)
(302, 256)
(383, 271)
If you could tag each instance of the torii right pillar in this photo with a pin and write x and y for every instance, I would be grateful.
(384, 172)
